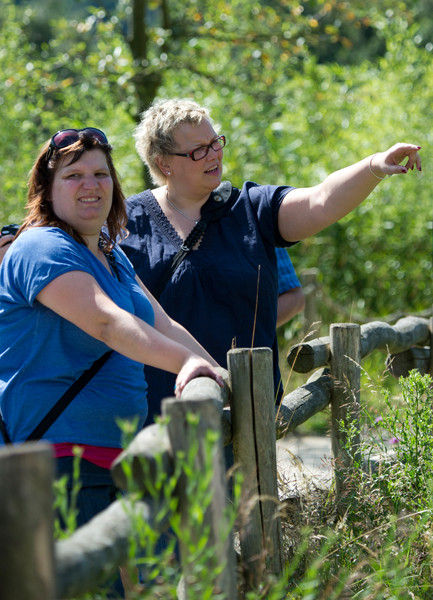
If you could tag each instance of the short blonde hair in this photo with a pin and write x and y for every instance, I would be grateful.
(154, 136)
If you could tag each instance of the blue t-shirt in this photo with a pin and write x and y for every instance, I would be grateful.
(287, 278)
(213, 292)
(42, 354)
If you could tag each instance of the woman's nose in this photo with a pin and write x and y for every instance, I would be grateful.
(90, 182)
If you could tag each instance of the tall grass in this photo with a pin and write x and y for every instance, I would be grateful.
(375, 542)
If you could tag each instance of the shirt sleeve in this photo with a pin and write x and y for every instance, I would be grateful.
(287, 278)
(123, 260)
(37, 257)
(266, 201)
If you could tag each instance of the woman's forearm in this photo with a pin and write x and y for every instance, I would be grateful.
(178, 333)
(306, 211)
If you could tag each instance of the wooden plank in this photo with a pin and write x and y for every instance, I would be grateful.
(245, 454)
(26, 522)
(95, 550)
(265, 442)
(304, 402)
(407, 332)
(346, 371)
(205, 387)
(148, 452)
(401, 363)
(376, 335)
(308, 356)
(184, 432)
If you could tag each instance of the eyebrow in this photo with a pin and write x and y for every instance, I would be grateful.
(201, 145)
(76, 166)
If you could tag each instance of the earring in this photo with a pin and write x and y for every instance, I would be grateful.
(168, 173)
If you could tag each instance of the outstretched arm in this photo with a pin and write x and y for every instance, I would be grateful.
(306, 211)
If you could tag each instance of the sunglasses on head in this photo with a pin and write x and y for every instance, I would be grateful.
(67, 137)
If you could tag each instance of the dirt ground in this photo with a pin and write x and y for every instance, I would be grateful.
(303, 460)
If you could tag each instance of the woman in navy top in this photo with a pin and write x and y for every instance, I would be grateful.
(225, 290)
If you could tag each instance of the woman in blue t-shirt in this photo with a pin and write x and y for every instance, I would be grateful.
(69, 295)
(225, 290)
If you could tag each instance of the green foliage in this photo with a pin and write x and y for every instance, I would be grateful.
(408, 427)
(65, 504)
(380, 545)
(299, 88)
(377, 258)
(69, 80)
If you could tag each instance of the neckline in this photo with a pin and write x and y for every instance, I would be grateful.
(177, 209)
(161, 219)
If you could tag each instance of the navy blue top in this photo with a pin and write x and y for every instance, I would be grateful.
(213, 292)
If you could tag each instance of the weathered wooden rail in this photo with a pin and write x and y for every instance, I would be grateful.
(407, 344)
(76, 565)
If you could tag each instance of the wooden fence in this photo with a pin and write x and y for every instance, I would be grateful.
(32, 567)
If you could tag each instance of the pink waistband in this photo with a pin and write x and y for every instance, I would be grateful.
(98, 455)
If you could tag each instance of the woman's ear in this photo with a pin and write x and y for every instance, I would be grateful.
(164, 165)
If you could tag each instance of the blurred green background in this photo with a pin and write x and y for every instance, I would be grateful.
(299, 88)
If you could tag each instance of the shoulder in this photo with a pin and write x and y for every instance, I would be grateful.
(39, 255)
(44, 235)
(137, 197)
(263, 200)
(48, 250)
(40, 242)
(138, 201)
(255, 192)
(263, 203)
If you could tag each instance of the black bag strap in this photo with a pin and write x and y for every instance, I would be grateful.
(219, 201)
(4, 433)
(62, 403)
(67, 397)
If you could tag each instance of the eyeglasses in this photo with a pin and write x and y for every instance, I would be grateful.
(199, 153)
(67, 137)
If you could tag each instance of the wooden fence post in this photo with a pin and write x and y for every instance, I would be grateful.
(254, 446)
(26, 522)
(191, 421)
(345, 345)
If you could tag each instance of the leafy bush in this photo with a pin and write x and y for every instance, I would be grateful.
(376, 541)
(288, 117)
